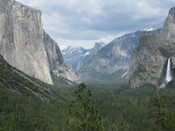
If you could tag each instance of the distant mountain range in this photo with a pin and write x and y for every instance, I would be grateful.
(105, 63)
(75, 57)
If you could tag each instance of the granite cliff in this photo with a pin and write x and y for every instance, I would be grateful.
(106, 63)
(110, 64)
(24, 44)
(57, 65)
(148, 59)
(17, 82)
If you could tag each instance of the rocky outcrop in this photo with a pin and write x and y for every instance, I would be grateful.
(56, 61)
(21, 39)
(148, 58)
(53, 52)
(107, 64)
(26, 46)
(19, 83)
(110, 64)
(76, 57)
(146, 62)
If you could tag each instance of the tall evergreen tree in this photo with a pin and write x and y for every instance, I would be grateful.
(83, 115)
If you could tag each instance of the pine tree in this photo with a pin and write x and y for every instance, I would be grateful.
(161, 115)
(82, 113)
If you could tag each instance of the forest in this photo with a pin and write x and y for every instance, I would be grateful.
(90, 108)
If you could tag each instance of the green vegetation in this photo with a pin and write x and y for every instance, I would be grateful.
(21, 84)
(24, 106)
(82, 113)
(90, 109)
(104, 78)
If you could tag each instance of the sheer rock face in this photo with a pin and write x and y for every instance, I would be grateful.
(56, 61)
(25, 45)
(148, 59)
(146, 63)
(21, 39)
(53, 52)
(110, 64)
(21, 84)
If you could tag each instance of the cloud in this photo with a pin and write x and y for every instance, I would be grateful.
(92, 20)
(84, 43)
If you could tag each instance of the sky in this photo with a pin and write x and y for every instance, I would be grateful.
(84, 22)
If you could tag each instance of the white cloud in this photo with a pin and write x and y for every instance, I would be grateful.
(82, 22)
(82, 43)
(146, 9)
(86, 43)
(88, 7)
(55, 23)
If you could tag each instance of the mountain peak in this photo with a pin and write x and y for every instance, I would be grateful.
(171, 18)
(169, 25)
(172, 11)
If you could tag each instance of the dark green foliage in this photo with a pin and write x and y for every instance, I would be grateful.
(18, 113)
(22, 84)
(162, 113)
(82, 113)
(27, 113)
(89, 109)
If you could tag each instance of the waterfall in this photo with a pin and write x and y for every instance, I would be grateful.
(168, 77)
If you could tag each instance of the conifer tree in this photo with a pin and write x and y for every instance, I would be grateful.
(83, 115)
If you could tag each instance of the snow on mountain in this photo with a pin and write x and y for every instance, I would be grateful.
(87, 53)
(74, 56)
(148, 29)
(105, 62)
